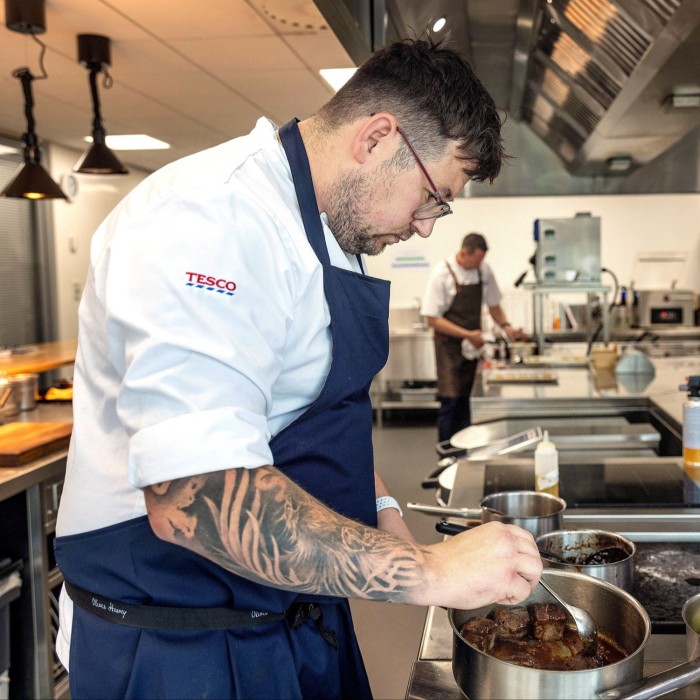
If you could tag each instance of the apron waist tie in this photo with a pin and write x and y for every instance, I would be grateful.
(194, 619)
(301, 612)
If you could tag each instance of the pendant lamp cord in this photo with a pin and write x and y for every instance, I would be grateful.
(25, 76)
(98, 130)
(44, 74)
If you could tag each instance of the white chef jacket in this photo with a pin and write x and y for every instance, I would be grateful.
(203, 331)
(441, 291)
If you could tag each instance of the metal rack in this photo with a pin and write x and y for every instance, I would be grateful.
(540, 291)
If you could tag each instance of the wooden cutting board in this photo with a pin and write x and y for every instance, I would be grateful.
(23, 442)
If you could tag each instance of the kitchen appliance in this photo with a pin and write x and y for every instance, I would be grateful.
(592, 480)
(665, 307)
(568, 250)
(644, 499)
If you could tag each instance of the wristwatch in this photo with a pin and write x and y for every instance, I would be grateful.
(388, 502)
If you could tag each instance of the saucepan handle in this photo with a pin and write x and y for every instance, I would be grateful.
(449, 527)
(444, 511)
(659, 684)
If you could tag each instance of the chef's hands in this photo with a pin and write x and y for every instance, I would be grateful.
(515, 334)
(475, 338)
(491, 563)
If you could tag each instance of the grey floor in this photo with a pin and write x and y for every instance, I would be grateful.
(390, 634)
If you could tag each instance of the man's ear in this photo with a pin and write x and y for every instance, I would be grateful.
(376, 131)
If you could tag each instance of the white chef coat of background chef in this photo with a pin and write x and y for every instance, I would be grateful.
(187, 380)
(440, 290)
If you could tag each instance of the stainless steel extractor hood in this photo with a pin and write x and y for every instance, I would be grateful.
(608, 85)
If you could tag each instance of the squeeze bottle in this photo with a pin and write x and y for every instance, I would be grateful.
(691, 422)
(547, 466)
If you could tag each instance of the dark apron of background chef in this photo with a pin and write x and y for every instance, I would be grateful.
(328, 452)
(455, 374)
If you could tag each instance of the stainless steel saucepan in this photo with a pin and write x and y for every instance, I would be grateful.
(616, 613)
(534, 511)
(605, 555)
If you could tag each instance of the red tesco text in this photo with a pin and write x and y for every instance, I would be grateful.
(197, 278)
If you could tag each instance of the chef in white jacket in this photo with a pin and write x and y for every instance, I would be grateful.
(221, 502)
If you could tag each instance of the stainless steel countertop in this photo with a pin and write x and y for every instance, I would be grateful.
(585, 387)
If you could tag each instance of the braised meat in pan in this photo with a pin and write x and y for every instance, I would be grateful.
(512, 623)
(538, 636)
(548, 621)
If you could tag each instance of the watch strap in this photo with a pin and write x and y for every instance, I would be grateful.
(388, 502)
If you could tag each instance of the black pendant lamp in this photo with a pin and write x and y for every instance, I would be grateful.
(94, 54)
(31, 180)
(25, 16)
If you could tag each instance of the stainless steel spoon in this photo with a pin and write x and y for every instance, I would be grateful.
(585, 624)
(554, 556)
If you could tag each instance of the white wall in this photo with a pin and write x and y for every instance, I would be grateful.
(629, 224)
(74, 222)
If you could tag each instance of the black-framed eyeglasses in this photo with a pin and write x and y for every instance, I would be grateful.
(436, 209)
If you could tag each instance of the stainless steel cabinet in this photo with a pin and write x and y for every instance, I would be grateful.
(29, 498)
(405, 380)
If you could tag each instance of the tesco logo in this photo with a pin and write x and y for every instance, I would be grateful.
(210, 283)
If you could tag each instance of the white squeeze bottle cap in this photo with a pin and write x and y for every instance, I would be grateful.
(547, 466)
(546, 445)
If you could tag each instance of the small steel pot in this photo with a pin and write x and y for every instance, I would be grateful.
(9, 400)
(577, 545)
(534, 511)
(691, 617)
(617, 614)
(26, 387)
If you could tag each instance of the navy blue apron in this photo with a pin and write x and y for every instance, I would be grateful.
(327, 451)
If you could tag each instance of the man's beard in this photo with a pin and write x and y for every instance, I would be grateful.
(346, 219)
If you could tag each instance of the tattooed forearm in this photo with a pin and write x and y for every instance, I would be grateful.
(261, 525)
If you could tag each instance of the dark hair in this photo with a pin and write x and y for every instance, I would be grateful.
(436, 97)
(474, 241)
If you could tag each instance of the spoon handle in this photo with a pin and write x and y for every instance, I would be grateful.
(552, 556)
(554, 595)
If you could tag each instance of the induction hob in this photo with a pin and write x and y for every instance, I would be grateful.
(646, 499)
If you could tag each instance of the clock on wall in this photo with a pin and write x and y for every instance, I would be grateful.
(69, 184)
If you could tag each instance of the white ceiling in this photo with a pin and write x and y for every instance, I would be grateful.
(190, 73)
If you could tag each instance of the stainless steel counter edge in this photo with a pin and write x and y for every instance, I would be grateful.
(14, 480)
(582, 389)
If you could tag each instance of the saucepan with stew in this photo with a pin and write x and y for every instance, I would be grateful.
(531, 650)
